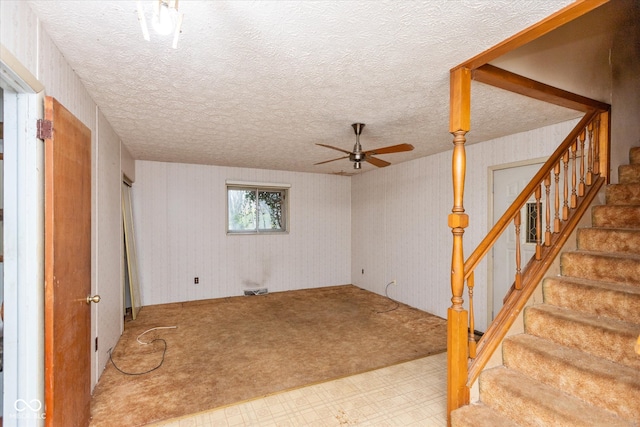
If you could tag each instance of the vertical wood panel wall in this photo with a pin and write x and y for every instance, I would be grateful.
(399, 215)
(180, 218)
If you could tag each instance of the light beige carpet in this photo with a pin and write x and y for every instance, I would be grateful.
(232, 349)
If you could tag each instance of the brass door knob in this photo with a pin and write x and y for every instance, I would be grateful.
(95, 299)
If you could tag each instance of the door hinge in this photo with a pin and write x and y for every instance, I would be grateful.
(96, 344)
(45, 129)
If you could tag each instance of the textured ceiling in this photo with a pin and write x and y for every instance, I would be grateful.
(257, 84)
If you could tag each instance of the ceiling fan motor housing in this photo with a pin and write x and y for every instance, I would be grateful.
(357, 157)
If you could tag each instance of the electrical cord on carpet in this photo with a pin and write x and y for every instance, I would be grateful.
(386, 293)
(164, 351)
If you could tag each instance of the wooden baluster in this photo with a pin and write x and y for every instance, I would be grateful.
(574, 174)
(596, 146)
(556, 222)
(472, 323)
(565, 205)
(516, 222)
(581, 187)
(547, 189)
(538, 223)
(458, 220)
(590, 154)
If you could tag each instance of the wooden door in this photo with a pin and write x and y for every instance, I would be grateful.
(67, 268)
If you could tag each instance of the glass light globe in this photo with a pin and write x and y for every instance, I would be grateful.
(163, 20)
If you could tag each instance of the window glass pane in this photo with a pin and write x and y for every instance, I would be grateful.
(532, 222)
(242, 209)
(256, 210)
(271, 210)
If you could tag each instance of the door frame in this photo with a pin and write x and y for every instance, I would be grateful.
(490, 223)
(24, 245)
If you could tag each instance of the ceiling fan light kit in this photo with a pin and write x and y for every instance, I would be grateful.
(165, 19)
(357, 156)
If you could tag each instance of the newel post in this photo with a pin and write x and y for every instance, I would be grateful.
(457, 316)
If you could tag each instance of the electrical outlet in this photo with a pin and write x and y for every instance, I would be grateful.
(394, 282)
(196, 280)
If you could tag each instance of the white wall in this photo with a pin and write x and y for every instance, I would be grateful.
(179, 216)
(399, 220)
(23, 36)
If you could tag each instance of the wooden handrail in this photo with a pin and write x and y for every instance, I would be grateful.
(501, 225)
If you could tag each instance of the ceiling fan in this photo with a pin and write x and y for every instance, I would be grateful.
(357, 156)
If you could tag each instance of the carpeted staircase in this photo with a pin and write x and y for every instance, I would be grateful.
(575, 365)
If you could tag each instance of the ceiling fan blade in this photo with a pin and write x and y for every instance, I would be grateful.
(332, 160)
(334, 148)
(391, 149)
(376, 162)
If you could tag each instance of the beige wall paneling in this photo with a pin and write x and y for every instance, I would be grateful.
(400, 212)
(180, 214)
(107, 242)
(19, 33)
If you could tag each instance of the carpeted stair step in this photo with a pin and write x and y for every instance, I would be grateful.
(532, 403)
(629, 174)
(613, 300)
(634, 155)
(609, 240)
(615, 216)
(606, 384)
(623, 194)
(600, 336)
(479, 415)
(608, 267)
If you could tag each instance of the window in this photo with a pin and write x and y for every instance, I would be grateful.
(257, 209)
(532, 222)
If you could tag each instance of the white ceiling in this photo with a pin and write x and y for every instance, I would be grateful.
(257, 83)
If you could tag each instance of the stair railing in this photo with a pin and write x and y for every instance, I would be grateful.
(567, 183)
(572, 175)
(465, 357)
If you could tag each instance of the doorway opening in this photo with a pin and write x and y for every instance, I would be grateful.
(22, 238)
(132, 285)
(507, 182)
